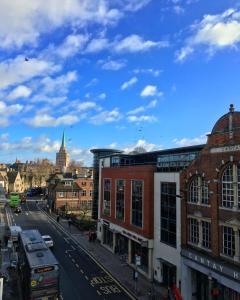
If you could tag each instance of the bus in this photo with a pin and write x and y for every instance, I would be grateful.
(39, 269)
(14, 200)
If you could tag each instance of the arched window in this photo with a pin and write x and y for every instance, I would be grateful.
(231, 186)
(198, 191)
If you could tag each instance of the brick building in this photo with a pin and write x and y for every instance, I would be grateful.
(137, 195)
(86, 186)
(210, 189)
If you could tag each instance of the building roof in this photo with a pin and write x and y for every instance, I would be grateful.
(12, 176)
(60, 186)
(228, 122)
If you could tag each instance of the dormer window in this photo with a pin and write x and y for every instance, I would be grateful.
(68, 183)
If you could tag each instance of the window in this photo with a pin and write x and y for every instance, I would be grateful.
(60, 194)
(137, 202)
(120, 199)
(106, 196)
(67, 183)
(193, 231)
(194, 190)
(168, 213)
(228, 241)
(90, 193)
(83, 193)
(198, 192)
(231, 186)
(74, 194)
(206, 234)
(84, 183)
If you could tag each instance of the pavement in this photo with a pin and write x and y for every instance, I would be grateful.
(143, 289)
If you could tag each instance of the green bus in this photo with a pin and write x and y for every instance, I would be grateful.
(14, 200)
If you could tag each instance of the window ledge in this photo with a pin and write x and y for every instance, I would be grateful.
(199, 204)
(233, 209)
(199, 247)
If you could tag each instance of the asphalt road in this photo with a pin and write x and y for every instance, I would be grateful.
(80, 276)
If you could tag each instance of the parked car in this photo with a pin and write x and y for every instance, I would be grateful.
(48, 240)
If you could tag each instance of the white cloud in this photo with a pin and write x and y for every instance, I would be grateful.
(8, 110)
(4, 136)
(23, 22)
(72, 45)
(129, 83)
(102, 96)
(97, 45)
(17, 70)
(113, 65)
(150, 90)
(136, 110)
(143, 118)
(92, 82)
(135, 43)
(106, 117)
(142, 144)
(178, 9)
(214, 31)
(46, 120)
(58, 84)
(202, 139)
(134, 5)
(152, 104)
(20, 91)
(153, 72)
(51, 100)
(85, 106)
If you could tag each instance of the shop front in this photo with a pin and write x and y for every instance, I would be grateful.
(206, 278)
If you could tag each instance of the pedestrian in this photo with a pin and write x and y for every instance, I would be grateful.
(58, 218)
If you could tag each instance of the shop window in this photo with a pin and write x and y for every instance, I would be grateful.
(120, 199)
(228, 241)
(206, 234)
(60, 194)
(198, 191)
(193, 231)
(138, 250)
(137, 202)
(168, 213)
(106, 196)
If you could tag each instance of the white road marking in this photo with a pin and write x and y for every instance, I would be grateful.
(77, 265)
(86, 277)
(73, 247)
(81, 271)
(73, 260)
(90, 255)
(99, 293)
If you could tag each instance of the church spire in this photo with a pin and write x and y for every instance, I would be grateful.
(63, 141)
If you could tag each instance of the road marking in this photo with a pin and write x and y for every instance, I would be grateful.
(86, 277)
(77, 265)
(66, 240)
(91, 256)
(99, 293)
(73, 260)
(73, 247)
(81, 271)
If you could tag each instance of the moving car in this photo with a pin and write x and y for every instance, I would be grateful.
(48, 240)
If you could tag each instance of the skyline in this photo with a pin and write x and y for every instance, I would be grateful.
(114, 74)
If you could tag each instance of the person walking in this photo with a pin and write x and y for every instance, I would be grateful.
(58, 219)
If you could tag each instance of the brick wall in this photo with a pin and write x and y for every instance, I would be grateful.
(145, 173)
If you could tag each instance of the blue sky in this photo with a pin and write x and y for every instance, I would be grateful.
(114, 73)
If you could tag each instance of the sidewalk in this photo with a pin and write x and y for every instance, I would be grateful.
(120, 270)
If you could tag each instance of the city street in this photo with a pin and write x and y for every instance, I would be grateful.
(81, 277)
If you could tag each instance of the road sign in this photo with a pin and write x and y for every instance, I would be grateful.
(138, 260)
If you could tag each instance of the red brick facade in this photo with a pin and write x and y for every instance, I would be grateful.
(145, 173)
(220, 151)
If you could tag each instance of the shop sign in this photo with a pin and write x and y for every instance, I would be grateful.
(211, 264)
(225, 149)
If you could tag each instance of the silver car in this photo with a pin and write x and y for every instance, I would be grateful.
(48, 240)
